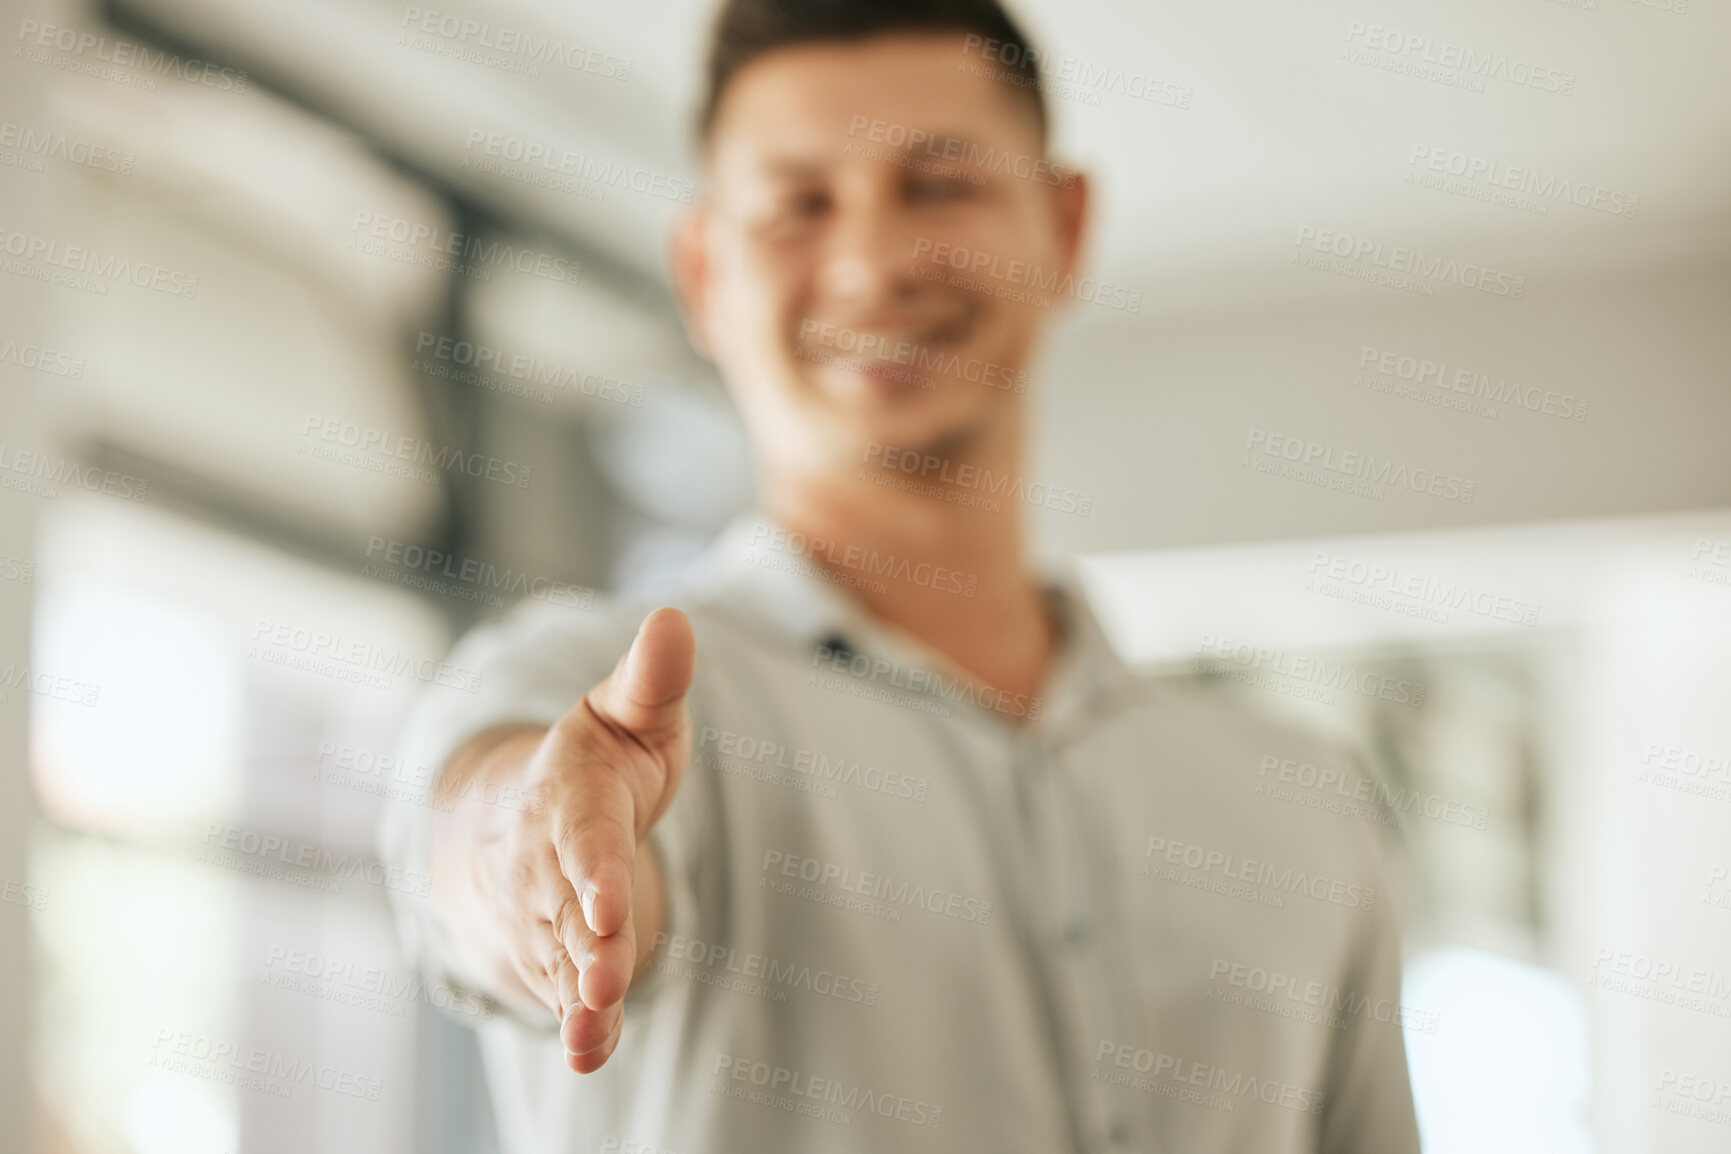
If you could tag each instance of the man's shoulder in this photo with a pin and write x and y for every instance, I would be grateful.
(1254, 774)
(1202, 712)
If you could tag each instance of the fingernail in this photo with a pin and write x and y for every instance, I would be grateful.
(587, 900)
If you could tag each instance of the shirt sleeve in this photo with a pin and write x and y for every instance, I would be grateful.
(1369, 1105)
(530, 665)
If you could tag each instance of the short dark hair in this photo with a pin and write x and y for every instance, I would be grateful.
(747, 29)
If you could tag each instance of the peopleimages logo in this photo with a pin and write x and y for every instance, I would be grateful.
(469, 363)
(1449, 61)
(866, 347)
(1071, 77)
(802, 1093)
(366, 662)
(591, 171)
(39, 474)
(759, 974)
(451, 251)
(483, 576)
(56, 687)
(372, 988)
(41, 359)
(1494, 178)
(312, 860)
(38, 144)
(1687, 771)
(1379, 577)
(860, 562)
(1396, 800)
(86, 269)
(254, 1068)
(1400, 267)
(1005, 278)
(36, 35)
(1694, 1096)
(1260, 660)
(24, 894)
(1320, 1003)
(514, 42)
(399, 454)
(1207, 863)
(932, 468)
(1711, 562)
(924, 681)
(1227, 1084)
(957, 150)
(1356, 466)
(387, 776)
(1470, 383)
(877, 887)
(1670, 981)
(732, 752)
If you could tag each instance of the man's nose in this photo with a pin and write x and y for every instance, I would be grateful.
(868, 256)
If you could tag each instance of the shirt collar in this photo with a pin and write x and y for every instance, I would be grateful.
(751, 573)
(769, 584)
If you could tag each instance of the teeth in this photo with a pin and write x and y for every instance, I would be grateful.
(857, 339)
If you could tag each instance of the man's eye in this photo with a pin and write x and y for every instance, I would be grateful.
(805, 204)
(938, 189)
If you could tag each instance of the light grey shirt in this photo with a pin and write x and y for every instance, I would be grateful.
(898, 919)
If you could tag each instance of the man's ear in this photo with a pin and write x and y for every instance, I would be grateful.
(688, 256)
(1072, 203)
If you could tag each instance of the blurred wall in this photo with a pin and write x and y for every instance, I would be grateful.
(1644, 345)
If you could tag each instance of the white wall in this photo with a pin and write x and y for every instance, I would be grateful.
(1150, 412)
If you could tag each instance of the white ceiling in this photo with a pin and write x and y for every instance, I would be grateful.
(1281, 131)
(1200, 210)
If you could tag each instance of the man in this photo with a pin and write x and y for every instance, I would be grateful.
(873, 842)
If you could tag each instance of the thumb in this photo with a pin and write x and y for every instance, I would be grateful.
(646, 693)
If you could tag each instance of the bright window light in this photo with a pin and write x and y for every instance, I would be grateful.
(149, 727)
(1507, 1070)
(168, 1116)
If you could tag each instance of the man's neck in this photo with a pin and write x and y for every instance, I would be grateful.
(965, 591)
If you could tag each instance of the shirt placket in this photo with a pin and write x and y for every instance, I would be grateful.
(1087, 982)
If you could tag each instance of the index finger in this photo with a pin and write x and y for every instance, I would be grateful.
(595, 838)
